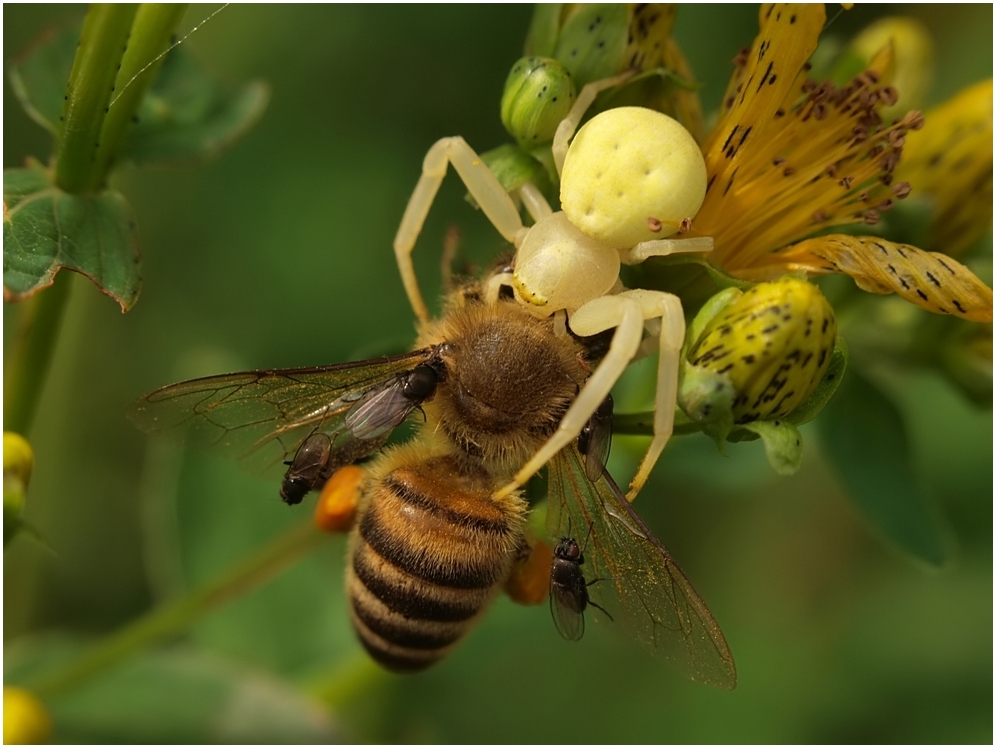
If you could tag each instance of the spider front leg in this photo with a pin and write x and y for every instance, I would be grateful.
(569, 124)
(666, 307)
(482, 185)
(626, 312)
(626, 315)
(663, 247)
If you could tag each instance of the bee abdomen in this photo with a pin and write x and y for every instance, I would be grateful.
(428, 555)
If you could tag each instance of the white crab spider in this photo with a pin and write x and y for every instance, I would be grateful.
(631, 177)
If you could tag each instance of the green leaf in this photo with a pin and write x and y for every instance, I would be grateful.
(782, 444)
(39, 77)
(826, 388)
(865, 439)
(46, 229)
(189, 116)
(174, 695)
(186, 117)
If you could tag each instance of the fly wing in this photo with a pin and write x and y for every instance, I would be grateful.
(640, 585)
(380, 410)
(262, 417)
(569, 622)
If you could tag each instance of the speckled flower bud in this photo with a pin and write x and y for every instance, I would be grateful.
(538, 94)
(774, 343)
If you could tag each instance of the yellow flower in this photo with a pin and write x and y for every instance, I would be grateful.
(951, 162)
(25, 720)
(790, 158)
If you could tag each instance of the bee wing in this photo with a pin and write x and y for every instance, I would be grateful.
(568, 620)
(262, 417)
(639, 583)
(598, 441)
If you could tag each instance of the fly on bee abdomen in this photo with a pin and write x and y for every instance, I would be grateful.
(430, 550)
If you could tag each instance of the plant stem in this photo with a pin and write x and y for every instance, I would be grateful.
(31, 348)
(98, 57)
(171, 618)
(642, 424)
(346, 681)
(150, 36)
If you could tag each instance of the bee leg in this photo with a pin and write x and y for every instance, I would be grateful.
(529, 582)
(335, 509)
(603, 313)
(482, 185)
(569, 124)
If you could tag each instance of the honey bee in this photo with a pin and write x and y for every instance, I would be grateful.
(434, 539)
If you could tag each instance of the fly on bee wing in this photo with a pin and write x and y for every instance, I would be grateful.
(653, 600)
(384, 407)
(308, 469)
(569, 596)
(595, 440)
(313, 420)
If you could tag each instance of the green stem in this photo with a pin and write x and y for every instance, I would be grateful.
(171, 618)
(33, 342)
(98, 57)
(150, 36)
(642, 424)
(346, 681)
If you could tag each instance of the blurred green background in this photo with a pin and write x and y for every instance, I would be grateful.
(279, 254)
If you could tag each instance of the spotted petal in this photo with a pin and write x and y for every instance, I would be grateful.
(788, 36)
(929, 279)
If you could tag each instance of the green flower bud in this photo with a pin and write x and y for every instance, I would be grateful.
(538, 94)
(772, 344)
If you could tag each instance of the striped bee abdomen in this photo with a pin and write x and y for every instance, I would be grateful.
(429, 552)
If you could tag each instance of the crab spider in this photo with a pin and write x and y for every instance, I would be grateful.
(631, 178)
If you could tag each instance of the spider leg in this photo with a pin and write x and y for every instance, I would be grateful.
(482, 185)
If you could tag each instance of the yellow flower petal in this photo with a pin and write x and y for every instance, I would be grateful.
(789, 35)
(791, 157)
(929, 279)
(951, 161)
